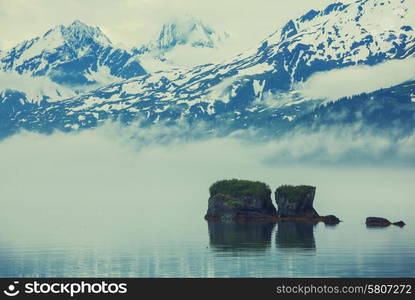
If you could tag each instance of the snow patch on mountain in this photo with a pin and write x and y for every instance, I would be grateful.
(102, 76)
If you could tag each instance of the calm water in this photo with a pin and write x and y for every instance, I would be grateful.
(199, 249)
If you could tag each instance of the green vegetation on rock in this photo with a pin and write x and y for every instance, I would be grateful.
(235, 203)
(238, 188)
(294, 193)
(231, 201)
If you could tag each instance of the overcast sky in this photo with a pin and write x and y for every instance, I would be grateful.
(132, 22)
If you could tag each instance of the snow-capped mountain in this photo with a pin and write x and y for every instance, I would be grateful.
(76, 55)
(186, 30)
(255, 88)
(184, 41)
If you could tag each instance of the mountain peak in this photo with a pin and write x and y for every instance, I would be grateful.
(80, 26)
(184, 30)
(78, 31)
(76, 34)
(78, 23)
(189, 30)
(76, 54)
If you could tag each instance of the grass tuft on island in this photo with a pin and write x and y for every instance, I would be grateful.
(238, 188)
(294, 194)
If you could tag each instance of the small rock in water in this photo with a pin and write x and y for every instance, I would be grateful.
(331, 220)
(400, 223)
(382, 222)
(377, 221)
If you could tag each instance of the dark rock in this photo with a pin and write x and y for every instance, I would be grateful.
(247, 200)
(377, 221)
(296, 201)
(330, 220)
(382, 222)
(240, 199)
(400, 223)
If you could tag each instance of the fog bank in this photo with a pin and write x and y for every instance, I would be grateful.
(99, 183)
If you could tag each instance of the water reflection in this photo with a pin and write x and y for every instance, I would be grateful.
(380, 228)
(235, 250)
(237, 237)
(295, 235)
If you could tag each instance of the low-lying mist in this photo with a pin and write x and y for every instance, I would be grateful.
(119, 182)
(335, 84)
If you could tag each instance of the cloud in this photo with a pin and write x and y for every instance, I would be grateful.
(134, 22)
(35, 88)
(349, 144)
(354, 80)
(340, 145)
(183, 56)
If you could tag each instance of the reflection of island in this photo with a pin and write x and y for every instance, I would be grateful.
(233, 236)
(295, 235)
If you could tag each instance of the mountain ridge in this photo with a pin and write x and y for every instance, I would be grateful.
(339, 36)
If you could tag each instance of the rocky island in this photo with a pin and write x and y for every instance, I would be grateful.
(240, 200)
(296, 203)
(251, 200)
